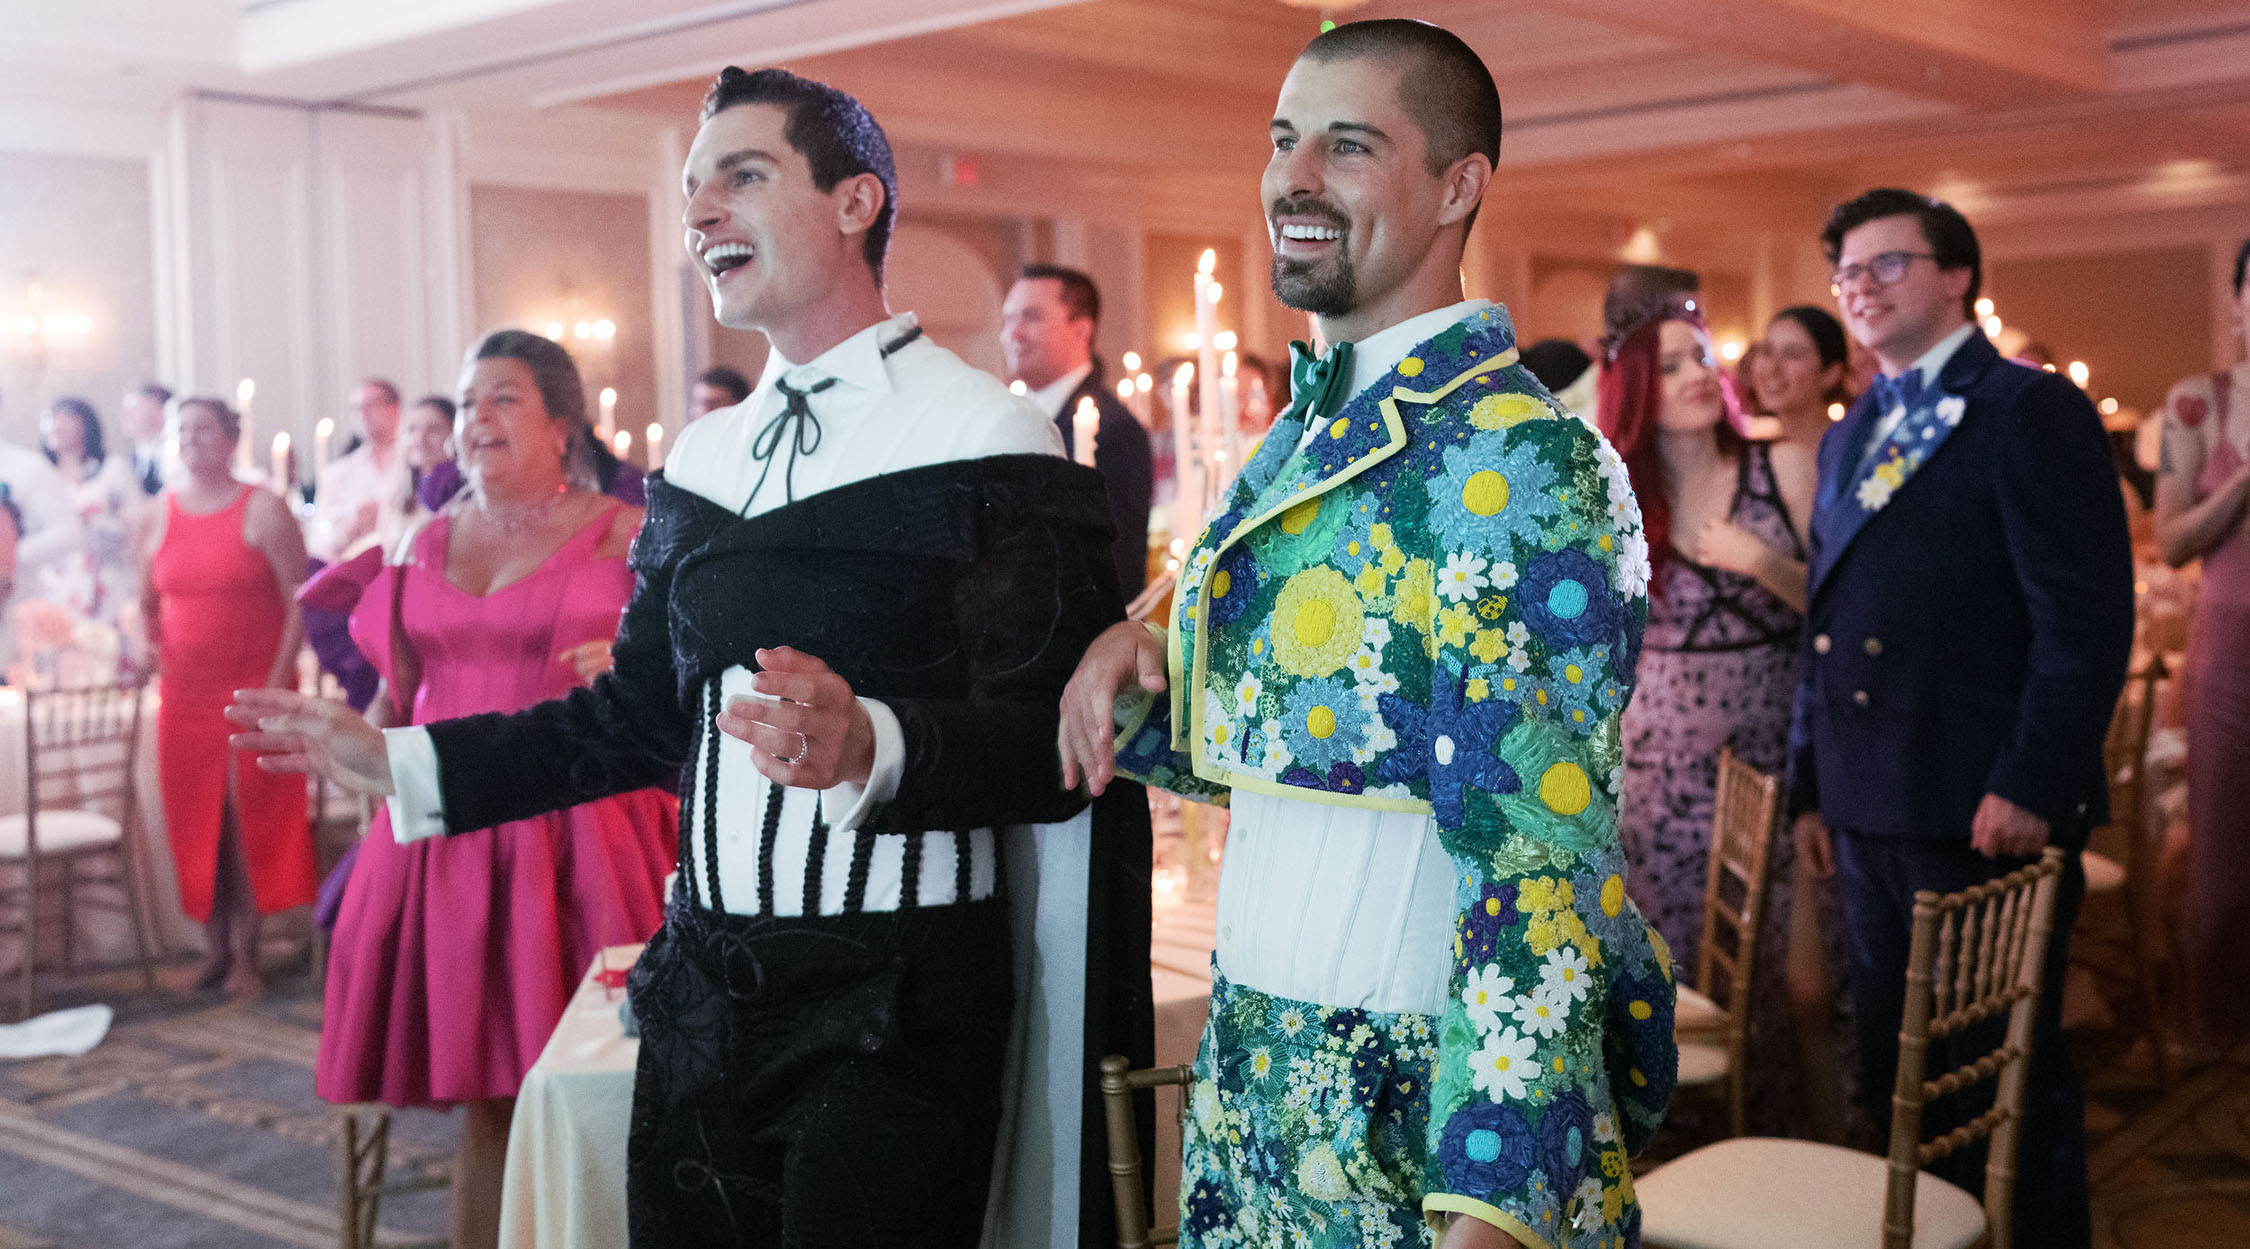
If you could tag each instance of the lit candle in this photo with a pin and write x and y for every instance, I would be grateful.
(1142, 401)
(1207, 292)
(2079, 373)
(621, 442)
(323, 430)
(244, 391)
(281, 462)
(1230, 409)
(1084, 426)
(609, 411)
(655, 446)
(1187, 481)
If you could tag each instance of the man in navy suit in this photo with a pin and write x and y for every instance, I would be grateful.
(1047, 334)
(1970, 621)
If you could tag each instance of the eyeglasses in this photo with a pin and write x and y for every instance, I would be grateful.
(1886, 268)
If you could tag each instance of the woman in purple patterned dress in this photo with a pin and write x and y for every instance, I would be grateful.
(1718, 669)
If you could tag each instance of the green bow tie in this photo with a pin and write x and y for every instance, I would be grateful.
(1318, 387)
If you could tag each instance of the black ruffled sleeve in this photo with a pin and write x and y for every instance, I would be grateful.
(1040, 588)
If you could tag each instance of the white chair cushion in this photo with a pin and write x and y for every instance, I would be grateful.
(58, 831)
(2103, 873)
(1760, 1193)
(1702, 1064)
(1696, 1014)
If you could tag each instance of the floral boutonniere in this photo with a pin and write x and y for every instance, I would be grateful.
(1918, 433)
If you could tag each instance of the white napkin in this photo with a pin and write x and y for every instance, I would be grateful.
(70, 1032)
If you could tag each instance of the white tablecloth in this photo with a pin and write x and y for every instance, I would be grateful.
(104, 936)
(565, 1181)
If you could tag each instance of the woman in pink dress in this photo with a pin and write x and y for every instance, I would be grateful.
(454, 957)
(2202, 498)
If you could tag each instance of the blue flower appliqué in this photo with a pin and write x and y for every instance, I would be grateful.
(1566, 599)
(1486, 1148)
(1231, 587)
(1490, 496)
(1323, 722)
(1566, 1140)
(1453, 743)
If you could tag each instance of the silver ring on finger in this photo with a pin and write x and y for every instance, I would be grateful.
(804, 747)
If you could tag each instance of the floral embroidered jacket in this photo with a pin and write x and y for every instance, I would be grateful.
(1435, 605)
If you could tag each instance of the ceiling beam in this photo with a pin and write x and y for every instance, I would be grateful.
(1984, 54)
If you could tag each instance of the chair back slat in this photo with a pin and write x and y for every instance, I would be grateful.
(1746, 808)
(1973, 955)
(81, 748)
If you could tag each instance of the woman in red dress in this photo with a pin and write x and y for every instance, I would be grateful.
(225, 563)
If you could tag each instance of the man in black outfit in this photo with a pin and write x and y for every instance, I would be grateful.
(1047, 330)
(857, 597)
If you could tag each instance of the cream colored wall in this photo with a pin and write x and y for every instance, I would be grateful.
(79, 227)
(549, 255)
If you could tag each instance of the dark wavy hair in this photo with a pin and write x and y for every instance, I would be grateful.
(834, 132)
(88, 422)
(1826, 334)
(1950, 236)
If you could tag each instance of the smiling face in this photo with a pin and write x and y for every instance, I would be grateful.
(769, 243)
(1787, 371)
(1692, 400)
(503, 432)
(1351, 205)
(1900, 321)
(424, 437)
(1039, 337)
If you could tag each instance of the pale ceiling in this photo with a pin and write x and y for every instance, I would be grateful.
(1683, 114)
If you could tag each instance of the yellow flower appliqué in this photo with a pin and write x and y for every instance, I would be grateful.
(1316, 622)
(1507, 411)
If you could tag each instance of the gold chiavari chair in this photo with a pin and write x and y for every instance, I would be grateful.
(1714, 1039)
(1119, 1081)
(77, 827)
(1975, 955)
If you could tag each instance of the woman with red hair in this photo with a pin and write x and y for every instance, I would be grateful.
(1718, 663)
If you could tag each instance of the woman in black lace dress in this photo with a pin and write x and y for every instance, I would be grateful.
(1718, 668)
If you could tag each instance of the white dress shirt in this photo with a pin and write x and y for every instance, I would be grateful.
(348, 484)
(1052, 396)
(922, 405)
(1341, 906)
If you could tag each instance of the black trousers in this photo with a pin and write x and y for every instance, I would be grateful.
(819, 1081)
(1878, 877)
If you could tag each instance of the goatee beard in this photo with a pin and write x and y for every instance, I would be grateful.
(1324, 290)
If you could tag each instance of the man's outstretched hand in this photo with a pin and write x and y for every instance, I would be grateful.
(1086, 737)
(290, 732)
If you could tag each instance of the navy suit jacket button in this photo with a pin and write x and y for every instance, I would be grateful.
(1859, 698)
(1874, 647)
(1820, 643)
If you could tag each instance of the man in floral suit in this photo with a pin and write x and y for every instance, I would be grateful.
(1400, 652)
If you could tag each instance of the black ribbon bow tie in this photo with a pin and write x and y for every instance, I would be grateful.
(796, 423)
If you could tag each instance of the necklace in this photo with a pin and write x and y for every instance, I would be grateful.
(520, 517)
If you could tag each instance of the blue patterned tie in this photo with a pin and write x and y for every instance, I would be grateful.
(1317, 387)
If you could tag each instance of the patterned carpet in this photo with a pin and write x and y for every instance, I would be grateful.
(194, 1126)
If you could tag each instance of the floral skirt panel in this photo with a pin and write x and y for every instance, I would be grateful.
(1306, 1126)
